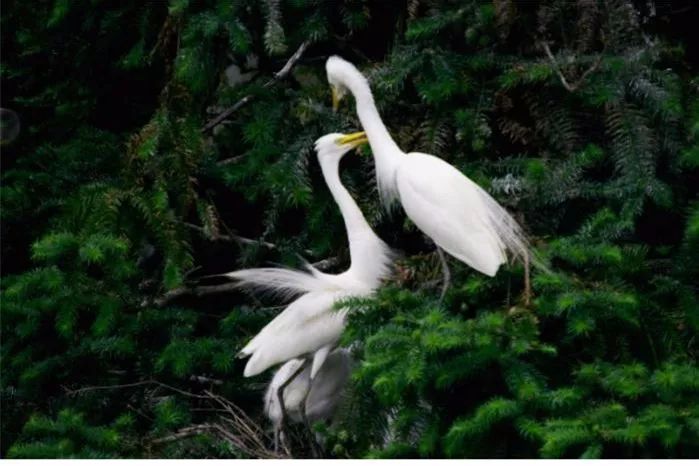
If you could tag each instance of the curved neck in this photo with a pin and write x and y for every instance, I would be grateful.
(355, 223)
(387, 154)
(369, 116)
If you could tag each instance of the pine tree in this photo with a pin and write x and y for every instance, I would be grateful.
(159, 145)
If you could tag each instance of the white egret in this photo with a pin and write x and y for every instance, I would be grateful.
(320, 396)
(457, 214)
(310, 327)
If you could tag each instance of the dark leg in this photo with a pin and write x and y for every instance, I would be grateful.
(527, 282)
(276, 438)
(445, 272)
(315, 450)
(280, 399)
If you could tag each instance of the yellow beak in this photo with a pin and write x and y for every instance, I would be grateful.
(336, 99)
(354, 139)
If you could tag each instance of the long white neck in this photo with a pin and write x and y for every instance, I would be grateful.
(369, 255)
(387, 154)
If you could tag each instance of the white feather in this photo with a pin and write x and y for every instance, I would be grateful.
(310, 326)
(282, 282)
(447, 206)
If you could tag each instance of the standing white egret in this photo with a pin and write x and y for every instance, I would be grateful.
(322, 395)
(310, 327)
(457, 214)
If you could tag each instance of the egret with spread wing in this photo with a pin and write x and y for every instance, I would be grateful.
(310, 327)
(457, 214)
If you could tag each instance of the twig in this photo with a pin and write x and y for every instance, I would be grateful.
(250, 437)
(246, 435)
(326, 263)
(574, 86)
(196, 291)
(279, 75)
(105, 387)
(186, 432)
(230, 237)
(202, 379)
(229, 160)
(80, 391)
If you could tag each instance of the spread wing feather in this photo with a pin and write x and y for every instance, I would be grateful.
(282, 282)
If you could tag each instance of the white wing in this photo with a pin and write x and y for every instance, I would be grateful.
(304, 327)
(451, 209)
(283, 282)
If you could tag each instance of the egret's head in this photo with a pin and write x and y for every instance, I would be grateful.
(338, 144)
(339, 72)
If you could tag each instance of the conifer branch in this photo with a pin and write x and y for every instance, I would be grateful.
(278, 76)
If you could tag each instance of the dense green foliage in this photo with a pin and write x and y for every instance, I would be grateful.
(582, 118)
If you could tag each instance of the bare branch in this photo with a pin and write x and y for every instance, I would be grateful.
(80, 391)
(279, 75)
(244, 433)
(202, 379)
(196, 291)
(229, 160)
(233, 425)
(233, 238)
(576, 85)
(326, 263)
(186, 432)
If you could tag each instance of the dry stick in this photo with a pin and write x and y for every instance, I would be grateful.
(196, 291)
(321, 265)
(204, 379)
(527, 281)
(129, 385)
(233, 238)
(229, 160)
(185, 432)
(244, 425)
(570, 87)
(248, 436)
(239, 420)
(279, 75)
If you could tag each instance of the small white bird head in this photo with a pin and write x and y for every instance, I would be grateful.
(338, 144)
(339, 72)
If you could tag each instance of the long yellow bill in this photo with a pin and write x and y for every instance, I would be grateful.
(354, 139)
(336, 99)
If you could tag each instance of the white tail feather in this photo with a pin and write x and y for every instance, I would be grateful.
(509, 232)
